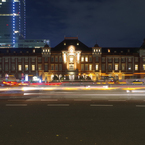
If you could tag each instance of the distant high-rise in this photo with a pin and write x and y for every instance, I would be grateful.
(12, 22)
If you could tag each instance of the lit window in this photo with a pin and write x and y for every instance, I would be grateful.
(90, 67)
(71, 60)
(123, 66)
(77, 43)
(3, 0)
(86, 66)
(60, 59)
(19, 67)
(96, 50)
(60, 66)
(136, 66)
(86, 59)
(43, 50)
(33, 67)
(116, 66)
(143, 66)
(39, 66)
(82, 67)
(97, 67)
(129, 66)
(82, 59)
(64, 43)
(26, 67)
(33, 50)
(56, 66)
(108, 50)
(99, 50)
(52, 66)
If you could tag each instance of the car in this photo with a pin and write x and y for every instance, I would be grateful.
(137, 82)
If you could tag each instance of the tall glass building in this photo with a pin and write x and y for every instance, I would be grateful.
(12, 22)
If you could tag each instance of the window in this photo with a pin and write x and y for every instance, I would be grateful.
(109, 67)
(46, 67)
(97, 67)
(6, 67)
(90, 66)
(108, 50)
(56, 66)
(86, 66)
(39, 66)
(19, 59)
(103, 59)
(129, 59)
(64, 43)
(6, 59)
(26, 67)
(13, 59)
(46, 59)
(116, 59)
(136, 66)
(52, 59)
(136, 59)
(33, 59)
(26, 59)
(82, 67)
(3, 0)
(82, 59)
(86, 59)
(90, 58)
(77, 43)
(71, 59)
(129, 66)
(60, 67)
(116, 66)
(97, 58)
(109, 59)
(56, 58)
(123, 67)
(52, 66)
(122, 59)
(60, 59)
(13, 67)
(143, 66)
(103, 67)
(19, 67)
(39, 59)
(33, 50)
(33, 67)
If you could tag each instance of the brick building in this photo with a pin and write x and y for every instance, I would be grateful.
(71, 59)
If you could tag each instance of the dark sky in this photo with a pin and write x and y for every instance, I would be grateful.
(110, 23)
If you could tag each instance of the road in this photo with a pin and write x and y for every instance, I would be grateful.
(57, 120)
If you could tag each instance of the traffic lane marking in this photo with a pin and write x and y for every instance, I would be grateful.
(16, 105)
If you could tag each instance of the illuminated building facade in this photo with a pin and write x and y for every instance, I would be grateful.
(73, 60)
(12, 22)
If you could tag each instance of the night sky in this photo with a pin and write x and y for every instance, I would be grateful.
(110, 23)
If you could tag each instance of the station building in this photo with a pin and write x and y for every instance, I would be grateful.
(72, 60)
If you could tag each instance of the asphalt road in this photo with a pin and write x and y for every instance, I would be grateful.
(72, 123)
(107, 117)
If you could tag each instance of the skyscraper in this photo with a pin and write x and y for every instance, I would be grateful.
(12, 22)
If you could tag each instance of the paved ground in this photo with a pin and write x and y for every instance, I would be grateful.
(113, 117)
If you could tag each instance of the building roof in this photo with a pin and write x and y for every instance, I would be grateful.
(120, 50)
(71, 41)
